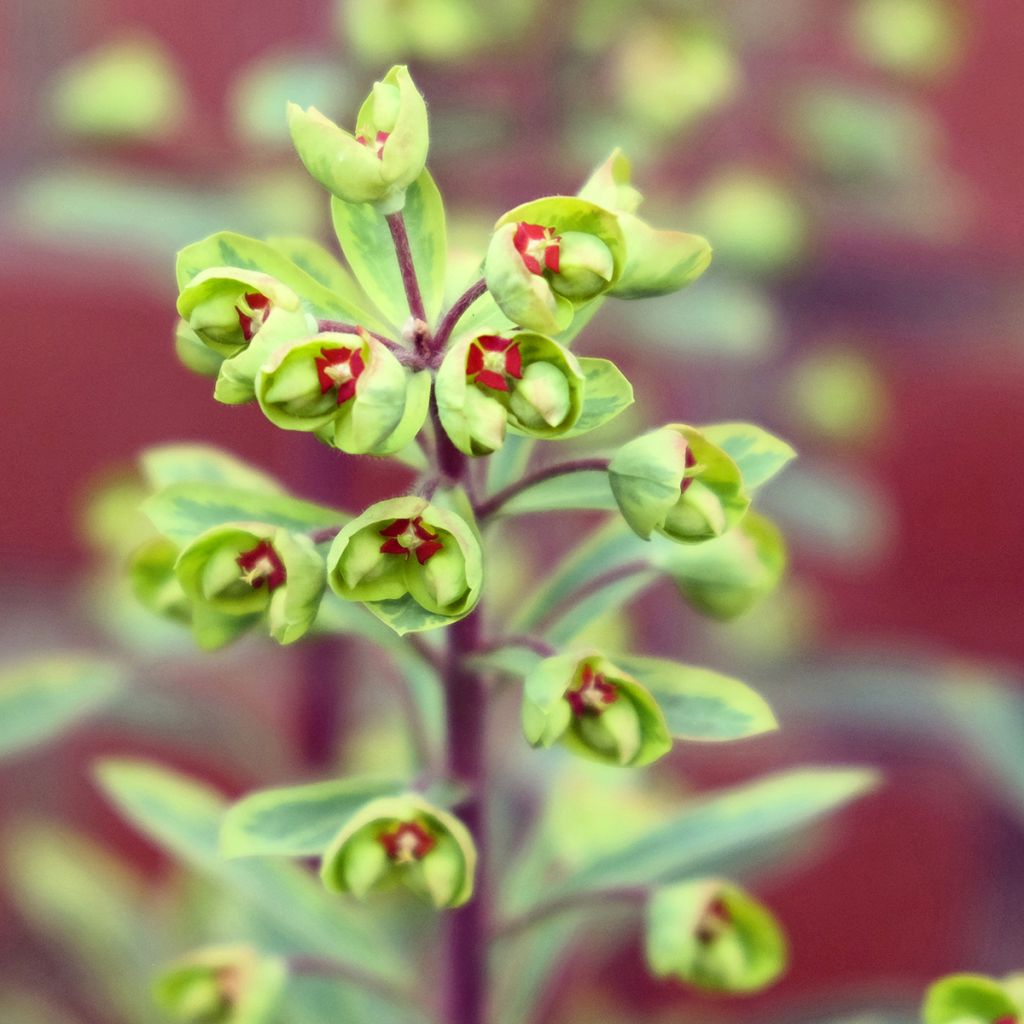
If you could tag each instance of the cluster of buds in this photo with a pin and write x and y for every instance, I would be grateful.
(402, 842)
(595, 709)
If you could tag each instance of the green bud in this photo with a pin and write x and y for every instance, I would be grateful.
(348, 388)
(972, 999)
(675, 481)
(222, 985)
(193, 353)
(714, 936)
(151, 571)
(227, 307)
(594, 709)
(382, 159)
(402, 842)
(550, 256)
(247, 570)
(416, 566)
(524, 382)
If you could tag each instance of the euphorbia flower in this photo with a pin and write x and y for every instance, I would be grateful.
(525, 382)
(538, 246)
(262, 564)
(384, 156)
(347, 388)
(402, 842)
(676, 482)
(370, 561)
(593, 708)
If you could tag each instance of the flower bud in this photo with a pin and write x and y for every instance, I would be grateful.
(151, 571)
(973, 999)
(385, 156)
(402, 842)
(414, 565)
(247, 570)
(550, 256)
(525, 381)
(714, 936)
(675, 481)
(222, 985)
(594, 709)
(226, 307)
(348, 388)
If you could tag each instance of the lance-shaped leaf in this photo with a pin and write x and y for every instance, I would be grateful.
(699, 704)
(323, 266)
(43, 697)
(297, 821)
(759, 455)
(366, 241)
(971, 999)
(587, 489)
(167, 464)
(606, 394)
(714, 936)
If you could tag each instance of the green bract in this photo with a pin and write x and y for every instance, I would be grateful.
(241, 571)
(675, 481)
(715, 936)
(348, 388)
(382, 159)
(154, 582)
(657, 262)
(222, 985)
(971, 999)
(595, 709)
(525, 382)
(414, 565)
(402, 842)
(227, 307)
(550, 256)
(193, 353)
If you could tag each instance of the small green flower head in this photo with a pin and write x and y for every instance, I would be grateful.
(382, 159)
(675, 481)
(151, 571)
(222, 985)
(972, 999)
(594, 709)
(348, 388)
(523, 381)
(550, 256)
(227, 306)
(246, 570)
(714, 936)
(414, 565)
(402, 842)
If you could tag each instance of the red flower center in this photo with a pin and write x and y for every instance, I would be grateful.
(593, 694)
(492, 360)
(538, 246)
(410, 535)
(262, 565)
(715, 919)
(407, 842)
(339, 368)
(253, 310)
(378, 144)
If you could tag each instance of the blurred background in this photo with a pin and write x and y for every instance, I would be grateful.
(856, 165)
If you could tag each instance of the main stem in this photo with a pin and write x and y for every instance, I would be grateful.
(465, 969)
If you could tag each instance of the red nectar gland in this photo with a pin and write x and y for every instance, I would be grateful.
(691, 461)
(593, 694)
(378, 144)
(410, 535)
(339, 368)
(715, 920)
(492, 360)
(407, 842)
(538, 246)
(262, 565)
(253, 310)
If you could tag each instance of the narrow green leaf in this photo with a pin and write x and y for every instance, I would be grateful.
(183, 817)
(588, 489)
(512, 660)
(297, 821)
(700, 704)
(759, 455)
(704, 838)
(168, 464)
(184, 511)
(43, 697)
(606, 394)
(368, 247)
(586, 611)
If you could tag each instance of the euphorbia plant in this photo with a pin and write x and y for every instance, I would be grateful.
(389, 358)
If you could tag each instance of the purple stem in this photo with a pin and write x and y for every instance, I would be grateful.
(452, 317)
(401, 353)
(396, 223)
(495, 502)
(318, 713)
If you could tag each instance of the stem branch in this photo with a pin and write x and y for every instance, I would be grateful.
(396, 224)
(325, 968)
(496, 501)
(458, 310)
